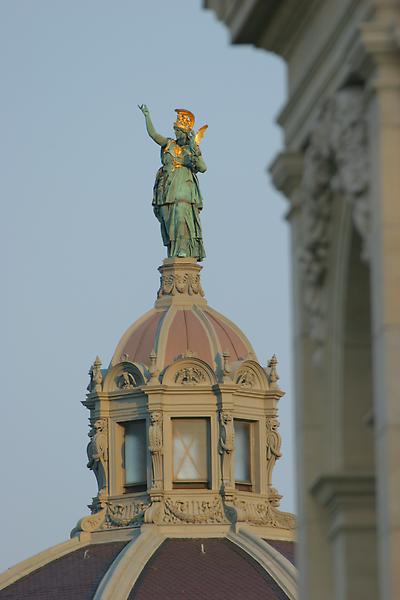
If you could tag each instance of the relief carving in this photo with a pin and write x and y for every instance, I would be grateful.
(126, 381)
(263, 513)
(273, 446)
(246, 378)
(194, 511)
(156, 448)
(190, 376)
(335, 163)
(180, 283)
(107, 515)
(97, 452)
(124, 515)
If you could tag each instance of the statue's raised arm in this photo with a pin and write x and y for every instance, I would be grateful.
(177, 200)
(159, 139)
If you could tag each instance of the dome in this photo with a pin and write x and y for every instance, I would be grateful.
(182, 322)
(177, 569)
(183, 439)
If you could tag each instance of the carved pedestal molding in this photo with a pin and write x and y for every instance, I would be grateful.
(180, 277)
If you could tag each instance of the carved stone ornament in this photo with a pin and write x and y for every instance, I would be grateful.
(97, 453)
(335, 164)
(109, 515)
(273, 445)
(180, 283)
(246, 378)
(156, 448)
(195, 511)
(96, 376)
(126, 381)
(273, 376)
(263, 513)
(124, 514)
(190, 376)
(226, 447)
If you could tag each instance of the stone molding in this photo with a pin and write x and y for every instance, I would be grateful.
(276, 565)
(349, 498)
(124, 571)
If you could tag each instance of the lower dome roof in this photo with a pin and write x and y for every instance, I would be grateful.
(204, 569)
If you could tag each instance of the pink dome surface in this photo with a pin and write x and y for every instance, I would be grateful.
(174, 331)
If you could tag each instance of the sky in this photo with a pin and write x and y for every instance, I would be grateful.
(78, 237)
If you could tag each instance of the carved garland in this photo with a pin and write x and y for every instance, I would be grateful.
(335, 162)
(263, 513)
(194, 511)
(109, 515)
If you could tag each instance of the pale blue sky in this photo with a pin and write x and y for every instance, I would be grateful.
(81, 243)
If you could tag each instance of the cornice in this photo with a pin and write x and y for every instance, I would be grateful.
(349, 498)
(268, 24)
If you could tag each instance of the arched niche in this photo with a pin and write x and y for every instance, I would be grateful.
(250, 375)
(189, 371)
(123, 377)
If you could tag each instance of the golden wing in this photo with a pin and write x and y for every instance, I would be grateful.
(200, 134)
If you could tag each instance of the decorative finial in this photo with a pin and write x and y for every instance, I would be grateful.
(226, 369)
(154, 372)
(96, 376)
(273, 373)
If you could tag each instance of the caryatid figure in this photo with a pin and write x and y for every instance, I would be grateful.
(273, 446)
(156, 447)
(177, 200)
(226, 447)
(97, 452)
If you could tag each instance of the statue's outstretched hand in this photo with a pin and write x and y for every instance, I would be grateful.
(144, 109)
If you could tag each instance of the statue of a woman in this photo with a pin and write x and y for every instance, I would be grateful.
(177, 200)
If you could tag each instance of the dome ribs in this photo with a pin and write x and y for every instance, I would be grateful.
(228, 339)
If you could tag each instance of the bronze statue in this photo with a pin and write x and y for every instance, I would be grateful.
(177, 200)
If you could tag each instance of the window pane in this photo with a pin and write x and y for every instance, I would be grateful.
(135, 452)
(242, 451)
(190, 449)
